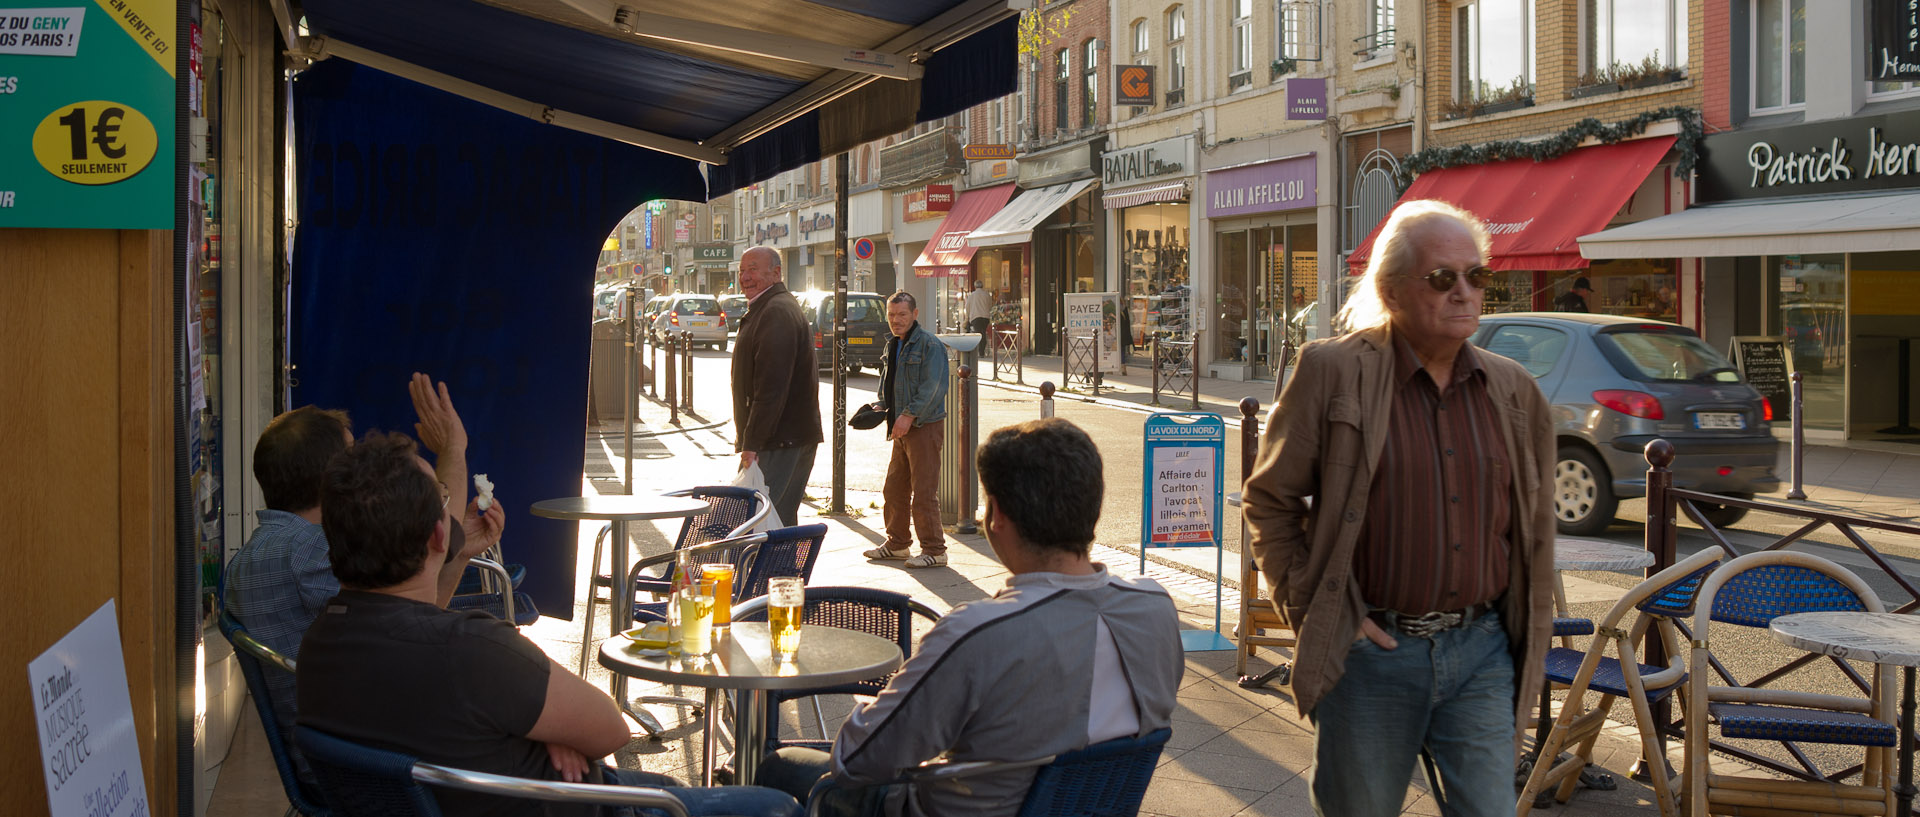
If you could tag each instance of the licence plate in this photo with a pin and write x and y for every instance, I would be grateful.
(1719, 419)
(860, 341)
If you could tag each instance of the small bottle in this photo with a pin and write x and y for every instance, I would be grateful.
(682, 567)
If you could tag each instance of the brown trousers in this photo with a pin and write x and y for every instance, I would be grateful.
(913, 490)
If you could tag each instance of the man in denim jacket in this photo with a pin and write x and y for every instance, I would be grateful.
(913, 385)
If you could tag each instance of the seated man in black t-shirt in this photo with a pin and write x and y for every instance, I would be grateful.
(386, 667)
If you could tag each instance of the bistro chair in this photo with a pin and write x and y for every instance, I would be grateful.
(1659, 600)
(731, 511)
(882, 613)
(1751, 591)
(498, 600)
(302, 797)
(1107, 779)
(368, 782)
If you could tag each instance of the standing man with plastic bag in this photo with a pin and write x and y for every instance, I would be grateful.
(776, 399)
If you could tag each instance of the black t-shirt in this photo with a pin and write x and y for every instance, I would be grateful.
(460, 689)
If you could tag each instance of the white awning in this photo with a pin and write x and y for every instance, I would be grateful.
(1826, 225)
(1132, 196)
(1015, 222)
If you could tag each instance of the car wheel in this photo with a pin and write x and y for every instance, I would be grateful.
(1583, 500)
(1723, 515)
(853, 369)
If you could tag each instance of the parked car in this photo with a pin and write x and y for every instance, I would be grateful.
(698, 314)
(604, 299)
(1617, 384)
(867, 331)
(734, 306)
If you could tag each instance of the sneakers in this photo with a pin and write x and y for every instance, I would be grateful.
(923, 560)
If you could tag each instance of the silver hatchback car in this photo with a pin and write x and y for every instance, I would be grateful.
(1617, 384)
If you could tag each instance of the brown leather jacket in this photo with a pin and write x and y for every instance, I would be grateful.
(1322, 441)
(776, 391)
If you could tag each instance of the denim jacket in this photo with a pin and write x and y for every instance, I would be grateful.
(920, 386)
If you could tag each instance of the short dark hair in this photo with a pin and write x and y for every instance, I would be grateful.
(1045, 476)
(380, 509)
(290, 458)
(901, 296)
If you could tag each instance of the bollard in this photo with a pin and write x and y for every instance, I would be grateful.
(1066, 358)
(1662, 534)
(653, 361)
(969, 497)
(686, 371)
(1153, 347)
(994, 351)
(673, 374)
(1799, 440)
(1096, 362)
(1249, 446)
(1046, 399)
(1019, 358)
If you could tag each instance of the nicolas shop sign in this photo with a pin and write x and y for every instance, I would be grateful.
(1842, 155)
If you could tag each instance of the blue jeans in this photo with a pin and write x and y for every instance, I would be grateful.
(1452, 694)
(740, 801)
(800, 771)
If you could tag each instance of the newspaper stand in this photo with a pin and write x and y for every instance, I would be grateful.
(1184, 461)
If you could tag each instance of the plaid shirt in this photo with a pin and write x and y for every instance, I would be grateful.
(276, 585)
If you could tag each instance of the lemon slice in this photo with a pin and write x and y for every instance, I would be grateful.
(652, 635)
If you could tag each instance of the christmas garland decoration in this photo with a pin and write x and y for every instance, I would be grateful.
(1440, 158)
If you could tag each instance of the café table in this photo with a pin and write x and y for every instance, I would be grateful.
(742, 660)
(1574, 553)
(1883, 638)
(620, 509)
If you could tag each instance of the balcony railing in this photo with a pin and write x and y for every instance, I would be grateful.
(1176, 97)
(1373, 45)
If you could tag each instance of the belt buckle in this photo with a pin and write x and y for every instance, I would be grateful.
(1425, 626)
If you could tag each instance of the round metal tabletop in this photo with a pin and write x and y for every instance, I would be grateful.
(619, 507)
(1570, 553)
(1883, 638)
(743, 659)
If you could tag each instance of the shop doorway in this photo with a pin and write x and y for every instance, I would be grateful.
(1266, 304)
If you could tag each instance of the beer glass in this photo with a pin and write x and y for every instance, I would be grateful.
(696, 619)
(786, 599)
(720, 576)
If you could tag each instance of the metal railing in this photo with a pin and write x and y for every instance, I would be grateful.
(1375, 43)
(1006, 354)
(1176, 369)
(1666, 503)
(1080, 361)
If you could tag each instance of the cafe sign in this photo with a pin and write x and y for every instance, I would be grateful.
(713, 252)
(1846, 155)
(1893, 40)
(1143, 163)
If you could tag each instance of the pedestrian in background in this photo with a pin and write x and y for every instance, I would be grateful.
(980, 313)
(776, 396)
(1420, 584)
(913, 385)
(1575, 299)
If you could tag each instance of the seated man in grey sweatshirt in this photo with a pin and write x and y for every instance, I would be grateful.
(1065, 656)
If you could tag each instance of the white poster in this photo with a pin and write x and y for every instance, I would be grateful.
(87, 740)
(1180, 509)
(1091, 312)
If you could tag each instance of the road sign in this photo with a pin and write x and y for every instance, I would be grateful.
(863, 249)
(1185, 459)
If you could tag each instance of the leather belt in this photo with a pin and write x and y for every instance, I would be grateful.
(1426, 625)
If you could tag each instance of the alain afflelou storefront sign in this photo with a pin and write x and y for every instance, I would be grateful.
(1836, 156)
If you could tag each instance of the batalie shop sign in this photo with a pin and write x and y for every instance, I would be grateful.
(1893, 40)
(1153, 160)
(1835, 156)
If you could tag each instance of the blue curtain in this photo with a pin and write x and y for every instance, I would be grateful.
(444, 236)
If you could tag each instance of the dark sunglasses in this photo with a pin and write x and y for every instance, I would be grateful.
(1442, 280)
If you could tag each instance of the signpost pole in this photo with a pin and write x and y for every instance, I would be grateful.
(838, 505)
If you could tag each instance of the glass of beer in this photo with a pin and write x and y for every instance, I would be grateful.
(720, 576)
(696, 619)
(786, 599)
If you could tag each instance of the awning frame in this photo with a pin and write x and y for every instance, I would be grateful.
(747, 41)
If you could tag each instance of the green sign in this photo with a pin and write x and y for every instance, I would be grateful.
(723, 252)
(86, 113)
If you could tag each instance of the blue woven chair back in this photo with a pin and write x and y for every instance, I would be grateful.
(1676, 599)
(1103, 780)
(1756, 596)
(365, 782)
(787, 552)
(882, 613)
(302, 796)
(728, 507)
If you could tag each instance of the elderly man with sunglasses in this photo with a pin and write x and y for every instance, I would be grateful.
(1401, 511)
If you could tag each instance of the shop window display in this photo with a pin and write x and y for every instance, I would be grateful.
(1810, 302)
(1635, 288)
(1154, 243)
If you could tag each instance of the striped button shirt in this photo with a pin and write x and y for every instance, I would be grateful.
(1436, 534)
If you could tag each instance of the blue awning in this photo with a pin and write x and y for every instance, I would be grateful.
(755, 105)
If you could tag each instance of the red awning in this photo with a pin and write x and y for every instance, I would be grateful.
(1536, 211)
(948, 253)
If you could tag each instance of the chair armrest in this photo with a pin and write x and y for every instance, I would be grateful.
(261, 652)
(555, 792)
(504, 579)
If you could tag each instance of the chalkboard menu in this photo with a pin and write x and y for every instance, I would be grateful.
(1767, 367)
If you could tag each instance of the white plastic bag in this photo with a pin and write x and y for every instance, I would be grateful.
(751, 479)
